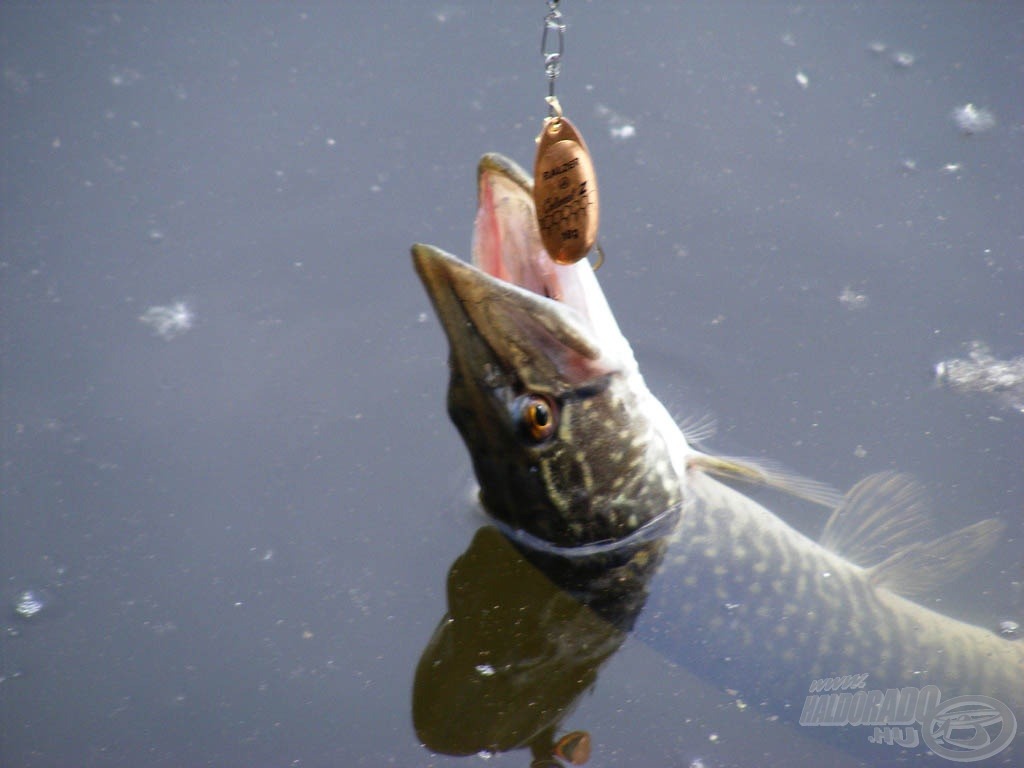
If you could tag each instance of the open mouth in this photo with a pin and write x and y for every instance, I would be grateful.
(506, 240)
(514, 308)
(507, 245)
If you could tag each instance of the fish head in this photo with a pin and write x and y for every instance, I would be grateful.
(567, 443)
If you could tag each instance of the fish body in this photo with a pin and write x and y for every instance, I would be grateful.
(770, 611)
(573, 453)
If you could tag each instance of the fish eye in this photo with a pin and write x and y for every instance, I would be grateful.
(537, 416)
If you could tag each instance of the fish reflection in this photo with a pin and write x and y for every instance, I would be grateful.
(519, 644)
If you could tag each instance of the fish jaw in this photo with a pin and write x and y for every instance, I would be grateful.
(507, 245)
(604, 471)
(501, 334)
(520, 328)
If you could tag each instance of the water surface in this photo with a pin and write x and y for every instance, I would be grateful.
(225, 457)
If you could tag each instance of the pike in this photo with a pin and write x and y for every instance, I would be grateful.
(573, 454)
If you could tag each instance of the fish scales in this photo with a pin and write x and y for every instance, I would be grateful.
(757, 589)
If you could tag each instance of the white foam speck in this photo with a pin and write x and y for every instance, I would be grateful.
(169, 321)
(970, 119)
(852, 299)
(983, 372)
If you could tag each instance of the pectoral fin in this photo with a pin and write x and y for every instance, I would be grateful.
(760, 473)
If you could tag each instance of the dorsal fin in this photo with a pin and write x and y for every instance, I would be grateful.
(882, 514)
(883, 526)
(763, 473)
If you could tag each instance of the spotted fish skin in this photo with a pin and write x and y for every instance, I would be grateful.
(767, 611)
(568, 491)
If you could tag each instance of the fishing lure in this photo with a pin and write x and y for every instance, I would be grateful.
(564, 182)
(565, 191)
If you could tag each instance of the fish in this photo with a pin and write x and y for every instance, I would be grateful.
(575, 457)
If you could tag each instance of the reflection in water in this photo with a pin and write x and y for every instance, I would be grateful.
(519, 645)
(30, 602)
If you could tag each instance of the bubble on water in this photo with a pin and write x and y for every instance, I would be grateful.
(15, 80)
(169, 321)
(1010, 629)
(620, 127)
(125, 77)
(155, 235)
(877, 47)
(802, 80)
(903, 59)
(852, 299)
(446, 13)
(622, 132)
(970, 119)
(30, 602)
(163, 627)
